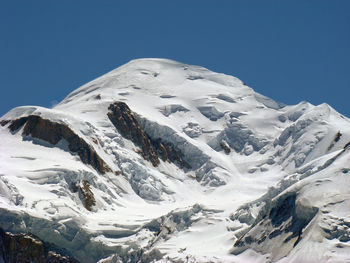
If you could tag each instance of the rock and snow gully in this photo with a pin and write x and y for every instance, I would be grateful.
(159, 161)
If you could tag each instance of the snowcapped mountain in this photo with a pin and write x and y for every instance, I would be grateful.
(162, 161)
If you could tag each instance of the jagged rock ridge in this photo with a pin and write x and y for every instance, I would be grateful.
(23, 248)
(53, 132)
(126, 123)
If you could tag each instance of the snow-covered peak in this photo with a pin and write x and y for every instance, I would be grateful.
(168, 158)
(155, 76)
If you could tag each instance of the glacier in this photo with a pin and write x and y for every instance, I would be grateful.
(160, 161)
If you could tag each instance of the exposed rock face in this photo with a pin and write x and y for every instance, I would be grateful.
(23, 248)
(124, 120)
(225, 147)
(53, 132)
(168, 152)
(126, 123)
(4, 122)
(88, 195)
(85, 194)
(335, 140)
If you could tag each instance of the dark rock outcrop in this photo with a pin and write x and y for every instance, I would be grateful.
(52, 132)
(124, 120)
(168, 152)
(4, 122)
(225, 147)
(85, 194)
(335, 140)
(151, 149)
(26, 248)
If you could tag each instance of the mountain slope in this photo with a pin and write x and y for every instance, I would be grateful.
(158, 159)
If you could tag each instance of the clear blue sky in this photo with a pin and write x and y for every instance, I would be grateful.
(287, 50)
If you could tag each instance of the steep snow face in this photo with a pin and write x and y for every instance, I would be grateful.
(197, 166)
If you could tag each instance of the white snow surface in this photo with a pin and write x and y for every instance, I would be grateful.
(186, 215)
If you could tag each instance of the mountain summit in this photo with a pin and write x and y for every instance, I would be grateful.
(167, 162)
